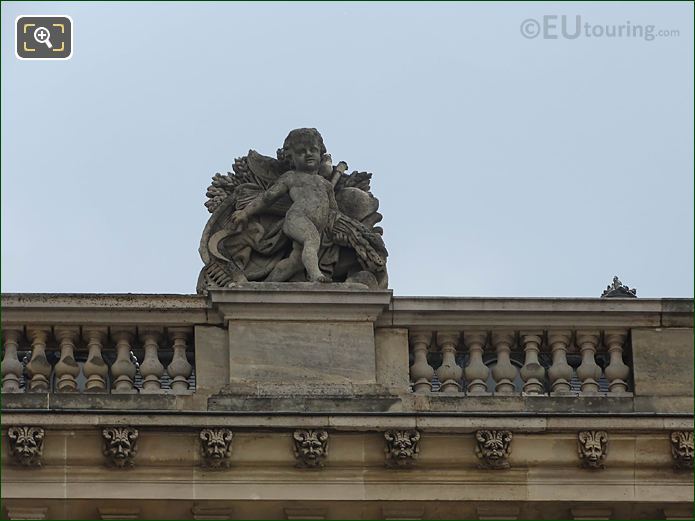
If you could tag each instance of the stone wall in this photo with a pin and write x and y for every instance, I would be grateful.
(326, 403)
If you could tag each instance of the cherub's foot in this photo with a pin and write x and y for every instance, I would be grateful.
(320, 277)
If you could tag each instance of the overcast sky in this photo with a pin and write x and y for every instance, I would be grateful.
(505, 165)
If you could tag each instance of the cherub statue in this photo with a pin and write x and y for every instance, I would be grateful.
(312, 198)
(294, 218)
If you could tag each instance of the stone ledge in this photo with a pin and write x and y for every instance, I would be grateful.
(349, 421)
(544, 313)
(349, 398)
(299, 301)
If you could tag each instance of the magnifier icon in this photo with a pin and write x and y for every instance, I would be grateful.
(43, 35)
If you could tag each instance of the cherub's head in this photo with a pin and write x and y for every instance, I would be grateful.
(303, 149)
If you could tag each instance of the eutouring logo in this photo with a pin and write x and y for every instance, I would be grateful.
(553, 27)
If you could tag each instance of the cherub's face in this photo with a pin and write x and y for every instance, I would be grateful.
(306, 157)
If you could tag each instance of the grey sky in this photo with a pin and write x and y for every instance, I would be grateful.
(505, 166)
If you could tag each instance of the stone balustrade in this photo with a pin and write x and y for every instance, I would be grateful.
(555, 362)
(98, 359)
(252, 348)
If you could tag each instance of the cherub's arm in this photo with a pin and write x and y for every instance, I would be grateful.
(333, 205)
(264, 200)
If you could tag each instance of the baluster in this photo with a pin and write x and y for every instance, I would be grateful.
(38, 369)
(151, 368)
(421, 371)
(66, 369)
(449, 373)
(532, 373)
(95, 368)
(179, 369)
(476, 371)
(588, 372)
(560, 373)
(11, 366)
(503, 372)
(123, 369)
(617, 372)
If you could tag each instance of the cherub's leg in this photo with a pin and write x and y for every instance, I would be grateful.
(303, 231)
(284, 269)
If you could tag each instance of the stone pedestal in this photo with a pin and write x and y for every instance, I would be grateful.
(299, 343)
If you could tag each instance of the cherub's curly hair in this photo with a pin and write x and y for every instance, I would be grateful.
(296, 137)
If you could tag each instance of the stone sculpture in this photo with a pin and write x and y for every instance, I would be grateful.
(26, 445)
(310, 447)
(618, 290)
(592, 447)
(216, 447)
(682, 450)
(120, 446)
(402, 447)
(295, 218)
(493, 448)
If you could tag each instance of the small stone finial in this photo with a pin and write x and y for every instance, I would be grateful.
(618, 290)
(120, 446)
(682, 450)
(26, 445)
(592, 447)
(402, 447)
(310, 447)
(493, 449)
(216, 447)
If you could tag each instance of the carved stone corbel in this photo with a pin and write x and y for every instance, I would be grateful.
(120, 446)
(26, 445)
(216, 447)
(493, 449)
(402, 447)
(310, 447)
(682, 450)
(592, 447)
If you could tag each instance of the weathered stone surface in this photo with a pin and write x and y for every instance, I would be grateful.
(682, 449)
(663, 362)
(392, 358)
(26, 444)
(293, 218)
(493, 448)
(212, 358)
(216, 447)
(287, 352)
(592, 447)
(618, 290)
(402, 447)
(310, 447)
(120, 446)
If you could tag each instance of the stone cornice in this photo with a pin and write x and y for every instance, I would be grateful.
(299, 302)
(442, 312)
(411, 312)
(98, 309)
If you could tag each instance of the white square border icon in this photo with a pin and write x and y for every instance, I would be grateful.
(72, 36)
